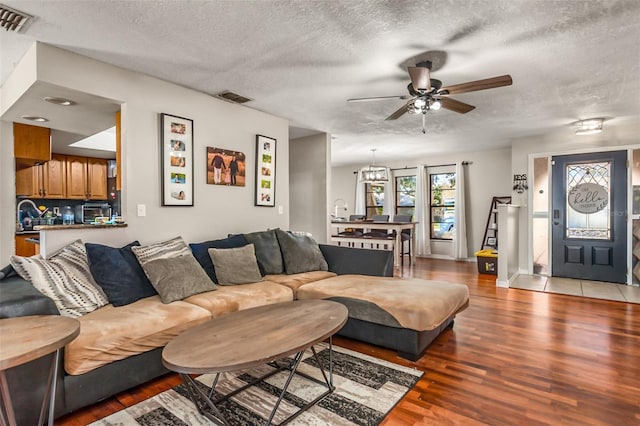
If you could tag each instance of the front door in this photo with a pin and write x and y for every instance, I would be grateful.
(589, 216)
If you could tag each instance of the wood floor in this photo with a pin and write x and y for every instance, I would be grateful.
(514, 357)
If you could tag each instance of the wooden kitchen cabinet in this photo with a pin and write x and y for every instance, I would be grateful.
(31, 144)
(86, 178)
(26, 248)
(45, 180)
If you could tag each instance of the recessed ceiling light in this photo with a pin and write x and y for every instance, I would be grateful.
(35, 118)
(59, 101)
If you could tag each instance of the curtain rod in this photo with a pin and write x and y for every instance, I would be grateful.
(464, 163)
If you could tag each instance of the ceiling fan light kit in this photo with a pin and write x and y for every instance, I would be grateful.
(588, 127)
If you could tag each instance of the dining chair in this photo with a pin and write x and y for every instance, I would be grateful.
(406, 235)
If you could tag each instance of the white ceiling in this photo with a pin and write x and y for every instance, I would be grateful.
(301, 60)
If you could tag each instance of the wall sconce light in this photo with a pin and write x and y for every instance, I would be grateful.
(588, 127)
(520, 183)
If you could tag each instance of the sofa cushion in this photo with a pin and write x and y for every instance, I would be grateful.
(118, 273)
(295, 281)
(300, 253)
(172, 269)
(113, 333)
(267, 251)
(64, 277)
(235, 265)
(415, 303)
(201, 253)
(238, 297)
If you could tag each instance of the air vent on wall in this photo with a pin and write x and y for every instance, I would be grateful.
(233, 97)
(11, 19)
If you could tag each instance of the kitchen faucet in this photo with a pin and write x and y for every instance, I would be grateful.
(19, 207)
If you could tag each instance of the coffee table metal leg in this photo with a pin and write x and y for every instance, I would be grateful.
(193, 389)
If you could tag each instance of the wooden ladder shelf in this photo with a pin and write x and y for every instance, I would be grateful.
(490, 238)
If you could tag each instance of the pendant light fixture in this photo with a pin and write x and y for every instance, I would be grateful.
(374, 173)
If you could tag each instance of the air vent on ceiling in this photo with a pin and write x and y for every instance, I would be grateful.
(233, 97)
(11, 19)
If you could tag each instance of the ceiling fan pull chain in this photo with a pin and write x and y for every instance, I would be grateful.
(424, 124)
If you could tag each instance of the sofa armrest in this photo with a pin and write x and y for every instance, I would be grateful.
(348, 260)
(19, 298)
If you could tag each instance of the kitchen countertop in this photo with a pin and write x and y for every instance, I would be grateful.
(77, 226)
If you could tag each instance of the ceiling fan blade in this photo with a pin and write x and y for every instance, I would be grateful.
(377, 98)
(420, 79)
(399, 112)
(472, 86)
(456, 106)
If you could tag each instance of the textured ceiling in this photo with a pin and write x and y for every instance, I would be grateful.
(301, 60)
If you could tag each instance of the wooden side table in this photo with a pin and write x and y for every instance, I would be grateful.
(24, 339)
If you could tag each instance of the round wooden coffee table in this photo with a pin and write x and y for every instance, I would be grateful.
(253, 337)
(25, 339)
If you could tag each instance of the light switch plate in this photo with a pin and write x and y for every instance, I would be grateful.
(142, 210)
(280, 210)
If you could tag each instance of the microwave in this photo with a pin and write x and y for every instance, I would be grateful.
(86, 213)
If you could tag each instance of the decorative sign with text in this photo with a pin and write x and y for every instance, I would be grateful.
(588, 198)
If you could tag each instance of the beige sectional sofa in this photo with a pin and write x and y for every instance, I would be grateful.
(120, 346)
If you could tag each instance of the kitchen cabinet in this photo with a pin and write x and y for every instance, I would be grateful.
(24, 247)
(86, 178)
(45, 180)
(31, 144)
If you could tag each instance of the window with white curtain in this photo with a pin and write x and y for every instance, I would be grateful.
(442, 190)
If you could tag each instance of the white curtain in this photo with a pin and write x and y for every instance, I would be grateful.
(389, 206)
(459, 245)
(360, 207)
(422, 213)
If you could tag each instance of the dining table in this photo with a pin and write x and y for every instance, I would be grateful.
(368, 225)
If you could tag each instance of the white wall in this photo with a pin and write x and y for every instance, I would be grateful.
(218, 210)
(309, 176)
(489, 175)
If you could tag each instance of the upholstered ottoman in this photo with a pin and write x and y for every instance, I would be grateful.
(401, 314)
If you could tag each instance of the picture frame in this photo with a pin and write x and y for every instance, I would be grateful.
(265, 193)
(176, 160)
(491, 241)
(225, 167)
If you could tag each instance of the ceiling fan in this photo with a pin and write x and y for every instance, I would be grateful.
(427, 93)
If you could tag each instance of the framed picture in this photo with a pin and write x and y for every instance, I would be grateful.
(225, 167)
(176, 162)
(265, 171)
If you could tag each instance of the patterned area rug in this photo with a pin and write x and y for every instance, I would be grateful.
(367, 389)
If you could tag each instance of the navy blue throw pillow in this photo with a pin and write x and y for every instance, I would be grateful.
(201, 251)
(119, 274)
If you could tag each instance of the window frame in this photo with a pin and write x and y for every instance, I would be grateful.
(373, 209)
(447, 207)
(407, 209)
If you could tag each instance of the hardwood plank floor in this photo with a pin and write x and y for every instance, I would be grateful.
(514, 357)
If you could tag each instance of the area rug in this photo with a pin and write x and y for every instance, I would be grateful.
(367, 388)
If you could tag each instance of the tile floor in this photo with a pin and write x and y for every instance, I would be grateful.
(593, 289)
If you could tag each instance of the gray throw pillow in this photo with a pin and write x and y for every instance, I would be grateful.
(301, 253)
(235, 265)
(172, 269)
(267, 251)
(176, 278)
